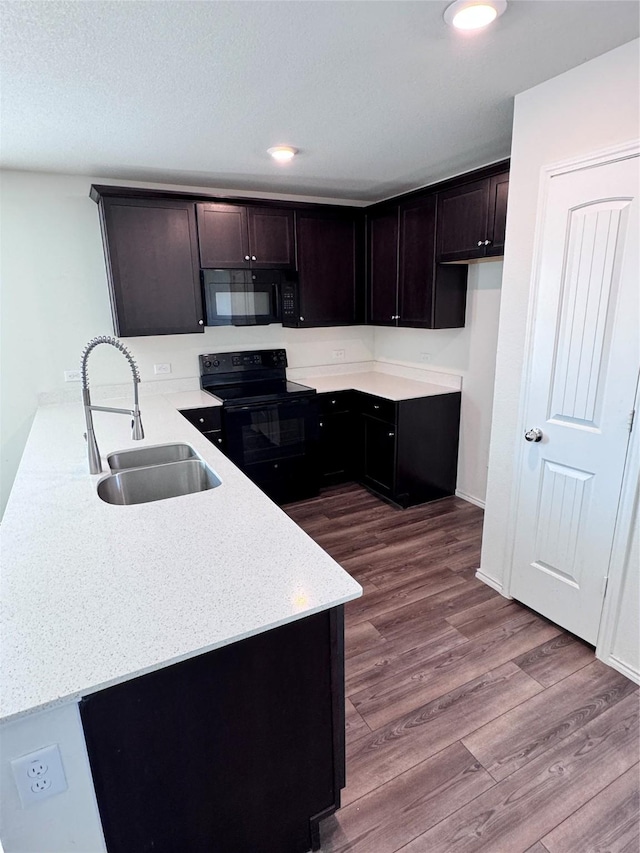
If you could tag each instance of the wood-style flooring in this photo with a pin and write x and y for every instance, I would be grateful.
(473, 724)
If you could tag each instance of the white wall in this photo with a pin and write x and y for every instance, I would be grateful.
(469, 352)
(67, 822)
(588, 108)
(55, 298)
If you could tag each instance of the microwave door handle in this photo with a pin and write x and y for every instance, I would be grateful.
(277, 305)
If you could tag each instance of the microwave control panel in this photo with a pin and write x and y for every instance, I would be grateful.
(290, 308)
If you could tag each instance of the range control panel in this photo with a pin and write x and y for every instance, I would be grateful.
(241, 362)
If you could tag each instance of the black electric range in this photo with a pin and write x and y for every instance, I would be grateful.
(270, 424)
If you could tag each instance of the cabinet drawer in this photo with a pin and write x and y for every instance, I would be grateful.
(215, 437)
(378, 407)
(204, 419)
(338, 401)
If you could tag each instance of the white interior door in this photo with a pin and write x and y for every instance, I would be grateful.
(582, 378)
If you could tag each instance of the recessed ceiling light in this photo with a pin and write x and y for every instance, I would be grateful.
(282, 153)
(473, 14)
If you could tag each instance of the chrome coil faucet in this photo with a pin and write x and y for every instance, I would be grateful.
(95, 465)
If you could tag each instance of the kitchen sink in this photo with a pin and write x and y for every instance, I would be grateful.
(157, 482)
(155, 455)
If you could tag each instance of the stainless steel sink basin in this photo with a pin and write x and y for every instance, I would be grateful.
(157, 482)
(156, 455)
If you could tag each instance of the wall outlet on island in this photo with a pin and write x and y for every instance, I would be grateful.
(338, 355)
(162, 368)
(39, 775)
(425, 357)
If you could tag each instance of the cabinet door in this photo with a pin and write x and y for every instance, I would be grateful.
(383, 268)
(223, 236)
(498, 193)
(417, 249)
(336, 447)
(329, 272)
(152, 262)
(235, 750)
(271, 240)
(462, 222)
(379, 454)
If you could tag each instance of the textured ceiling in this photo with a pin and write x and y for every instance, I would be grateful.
(379, 97)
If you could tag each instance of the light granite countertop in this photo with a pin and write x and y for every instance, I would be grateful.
(95, 594)
(373, 382)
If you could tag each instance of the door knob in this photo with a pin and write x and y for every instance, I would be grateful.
(534, 434)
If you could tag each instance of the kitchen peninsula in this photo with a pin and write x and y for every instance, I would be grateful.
(200, 636)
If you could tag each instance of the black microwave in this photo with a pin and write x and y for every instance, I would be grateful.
(245, 297)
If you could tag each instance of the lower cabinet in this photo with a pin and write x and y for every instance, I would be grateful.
(406, 451)
(336, 446)
(240, 750)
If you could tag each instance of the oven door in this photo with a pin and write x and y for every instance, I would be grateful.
(275, 444)
(240, 298)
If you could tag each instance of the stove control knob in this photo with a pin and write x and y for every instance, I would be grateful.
(207, 364)
(216, 363)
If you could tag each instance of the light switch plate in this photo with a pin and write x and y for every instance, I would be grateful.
(39, 775)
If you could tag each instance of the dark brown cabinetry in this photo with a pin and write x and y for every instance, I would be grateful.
(406, 451)
(209, 422)
(152, 265)
(471, 219)
(240, 750)
(409, 447)
(406, 287)
(336, 446)
(330, 287)
(234, 236)
(383, 267)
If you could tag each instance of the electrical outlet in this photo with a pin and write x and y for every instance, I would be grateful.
(39, 775)
(338, 354)
(72, 375)
(162, 368)
(425, 357)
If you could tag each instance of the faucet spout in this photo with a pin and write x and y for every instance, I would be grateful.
(137, 432)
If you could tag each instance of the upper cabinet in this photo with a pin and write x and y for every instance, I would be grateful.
(383, 234)
(330, 248)
(406, 287)
(152, 263)
(414, 254)
(235, 236)
(471, 219)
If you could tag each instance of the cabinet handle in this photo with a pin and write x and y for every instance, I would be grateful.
(275, 464)
(201, 322)
(487, 242)
(480, 242)
(201, 420)
(247, 258)
(302, 319)
(391, 434)
(376, 407)
(321, 424)
(219, 440)
(253, 258)
(333, 402)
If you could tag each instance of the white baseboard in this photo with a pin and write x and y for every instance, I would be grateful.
(615, 663)
(494, 584)
(469, 498)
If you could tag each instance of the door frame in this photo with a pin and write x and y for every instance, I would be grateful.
(623, 527)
